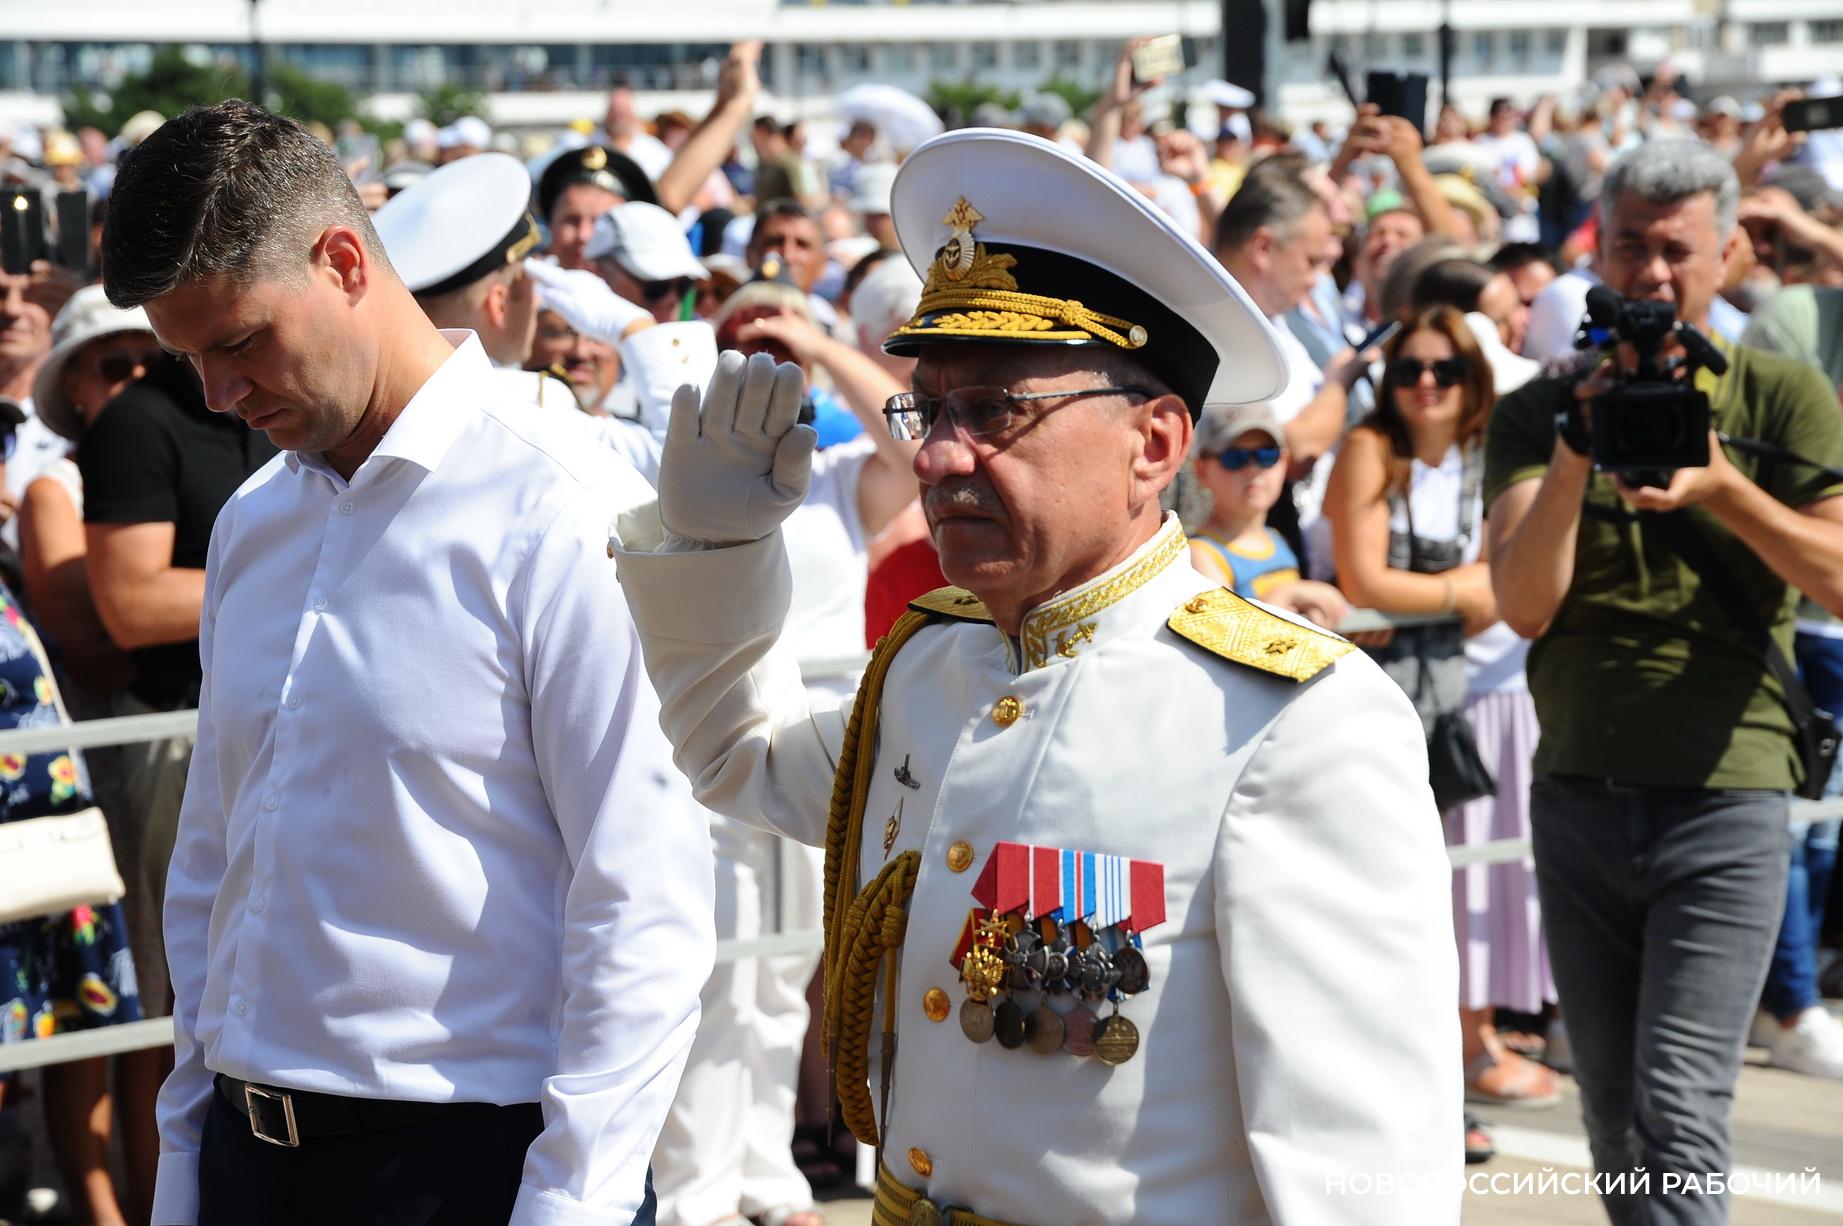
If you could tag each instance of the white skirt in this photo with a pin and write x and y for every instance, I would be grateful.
(1498, 922)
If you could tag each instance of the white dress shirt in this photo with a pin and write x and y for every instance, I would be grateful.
(433, 847)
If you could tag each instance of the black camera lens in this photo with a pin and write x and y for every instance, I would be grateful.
(1650, 429)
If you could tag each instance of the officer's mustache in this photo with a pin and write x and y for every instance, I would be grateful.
(961, 497)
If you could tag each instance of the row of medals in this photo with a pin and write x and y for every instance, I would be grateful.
(1010, 954)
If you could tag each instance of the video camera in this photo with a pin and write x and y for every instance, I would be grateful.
(1651, 422)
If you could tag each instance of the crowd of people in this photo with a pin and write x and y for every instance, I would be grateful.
(1426, 289)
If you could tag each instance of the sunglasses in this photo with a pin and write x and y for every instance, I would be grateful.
(653, 291)
(1237, 458)
(122, 365)
(1406, 372)
(9, 443)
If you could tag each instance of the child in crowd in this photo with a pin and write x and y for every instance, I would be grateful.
(1241, 460)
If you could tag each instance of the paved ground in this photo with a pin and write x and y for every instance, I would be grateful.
(1782, 1122)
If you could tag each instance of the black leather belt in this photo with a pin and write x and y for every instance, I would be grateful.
(288, 1117)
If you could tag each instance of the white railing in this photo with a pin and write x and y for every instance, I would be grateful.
(158, 1031)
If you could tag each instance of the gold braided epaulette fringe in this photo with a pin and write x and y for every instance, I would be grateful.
(954, 602)
(1225, 625)
(863, 930)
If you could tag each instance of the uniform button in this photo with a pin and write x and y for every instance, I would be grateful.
(1006, 710)
(320, 605)
(294, 702)
(935, 1005)
(919, 1160)
(960, 856)
(271, 802)
(345, 508)
(242, 1007)
(257, 904)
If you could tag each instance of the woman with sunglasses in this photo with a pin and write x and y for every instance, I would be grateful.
(1241, 461)
(96, 352)
(1406, 513)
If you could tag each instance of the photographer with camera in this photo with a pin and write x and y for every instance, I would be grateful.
(1655, 570)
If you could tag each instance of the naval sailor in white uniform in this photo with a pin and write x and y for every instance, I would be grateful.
(462, 239)
(1136, 897)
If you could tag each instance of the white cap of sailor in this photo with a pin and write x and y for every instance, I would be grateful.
(459, 223)
(1021, 242)
(646, 241)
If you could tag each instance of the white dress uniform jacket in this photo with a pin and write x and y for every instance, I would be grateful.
(1299, 1038)
(433, 847)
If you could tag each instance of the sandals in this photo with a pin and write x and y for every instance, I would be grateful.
(1509, 1080)
(1478, 1144)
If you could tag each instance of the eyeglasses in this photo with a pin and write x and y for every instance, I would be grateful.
(564, 335)
(1237, 458)
(9, 443)
(1406, 372)
(122, 365)
(979, 412)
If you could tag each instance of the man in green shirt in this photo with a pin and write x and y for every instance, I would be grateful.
(1660, 802)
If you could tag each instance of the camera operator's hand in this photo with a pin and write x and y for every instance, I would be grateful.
(1688, 486)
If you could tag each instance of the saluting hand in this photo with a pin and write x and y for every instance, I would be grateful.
(733, 470)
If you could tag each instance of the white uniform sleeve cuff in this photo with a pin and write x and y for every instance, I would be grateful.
(538, 1207)
(727, 595)
(176, 1190)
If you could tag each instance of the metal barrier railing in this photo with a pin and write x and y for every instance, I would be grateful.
(158, 1031)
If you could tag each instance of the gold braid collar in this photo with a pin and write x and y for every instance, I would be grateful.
(858, 936)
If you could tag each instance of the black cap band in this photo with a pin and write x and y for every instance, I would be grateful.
(519, 242)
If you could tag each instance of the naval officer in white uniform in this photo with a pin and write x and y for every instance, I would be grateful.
(1134, 888)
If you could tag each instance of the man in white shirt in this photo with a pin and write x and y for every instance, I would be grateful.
(438, 916)
(1275, 239)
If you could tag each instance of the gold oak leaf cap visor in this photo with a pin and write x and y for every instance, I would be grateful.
(1020, 241)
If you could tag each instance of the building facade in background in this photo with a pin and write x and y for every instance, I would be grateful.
(546, 63)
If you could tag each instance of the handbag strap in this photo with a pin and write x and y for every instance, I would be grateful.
(1697, 554)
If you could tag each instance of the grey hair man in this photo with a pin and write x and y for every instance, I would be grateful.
(1275, 238)
(430, 849)
(1214, 749)
(1669, 743)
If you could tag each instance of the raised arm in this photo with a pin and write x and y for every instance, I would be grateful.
(709, 588)
(738, 84)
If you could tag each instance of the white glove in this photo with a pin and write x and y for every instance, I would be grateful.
(585, 301)
(732, 473)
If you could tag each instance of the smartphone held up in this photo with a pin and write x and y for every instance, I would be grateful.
(28, 233)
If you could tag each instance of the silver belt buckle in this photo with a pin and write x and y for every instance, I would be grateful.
(292, 1139)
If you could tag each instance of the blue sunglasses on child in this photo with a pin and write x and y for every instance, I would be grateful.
(1237, 458)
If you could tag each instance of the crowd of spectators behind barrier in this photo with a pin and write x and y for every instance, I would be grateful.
(1360, 487)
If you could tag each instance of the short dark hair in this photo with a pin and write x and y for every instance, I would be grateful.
(225, 190)
(780, 206)
(1276, 201)
(1512, 256)
(1456, 282)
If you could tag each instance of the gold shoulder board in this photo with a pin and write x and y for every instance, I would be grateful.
(1225, 625)
(951, 602)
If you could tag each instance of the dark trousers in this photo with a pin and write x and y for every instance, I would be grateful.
(1661, 907)
(459, 1171)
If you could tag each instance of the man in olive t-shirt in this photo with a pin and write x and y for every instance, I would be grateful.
(1659, 807)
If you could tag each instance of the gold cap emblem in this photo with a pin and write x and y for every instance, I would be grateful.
(958, 252)
(595, 158)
